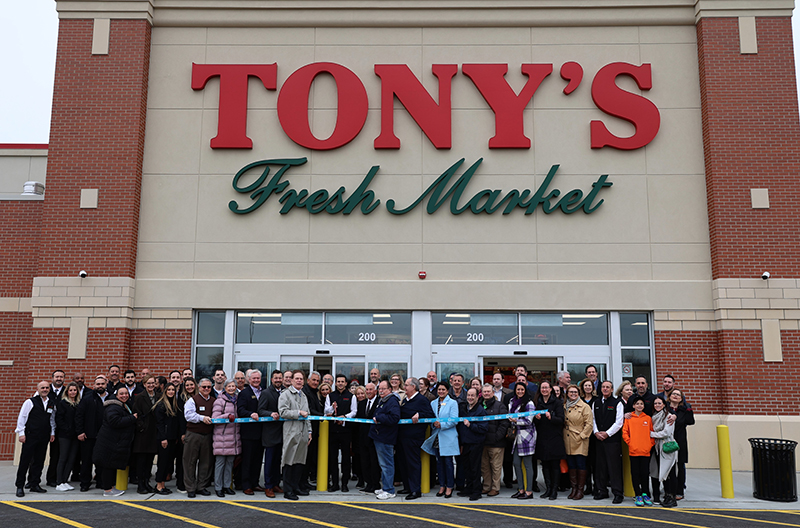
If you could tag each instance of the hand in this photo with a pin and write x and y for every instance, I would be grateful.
(183, 439)
(628, 416)
(671, 419)
(136, 415)
(437, 425)
(82, 437)
(231, 418)
(339, 422)
(547, 415)
(415, 418)
(601, 435)
(538, 416)
(466, 422)
(22, 439)
(335, 406)
(254, 416)
(164, 444)
(52, 438)
(512, 420)
(304, 414)
(375, 420)
(275, 416)
(310, 436)
(206, 420)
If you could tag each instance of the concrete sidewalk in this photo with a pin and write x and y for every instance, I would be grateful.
(703, 492)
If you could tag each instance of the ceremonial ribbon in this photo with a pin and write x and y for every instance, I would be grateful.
(370, 421)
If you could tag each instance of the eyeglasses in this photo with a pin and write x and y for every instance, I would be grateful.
(205, 386)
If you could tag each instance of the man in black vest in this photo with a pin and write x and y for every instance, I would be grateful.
(252, 451)
(411, 436)
(340, 402)
(272, 434)
(36, 427)
(369, 457)
(88, 419)
(609, 414)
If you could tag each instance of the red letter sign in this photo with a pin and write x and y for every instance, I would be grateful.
(432, 118)
(609, 98)
(509, 131)
(351, 111)
(232, 117)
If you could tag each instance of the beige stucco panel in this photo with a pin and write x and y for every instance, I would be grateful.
(676, 150)
(172, 141)
(487, 35)
(251, 252)
(448, 254)
(675, 74)
(585, 35)
(169, 208)
(179, 36)
(171, 77)
(365, 253)
(677, 207)
(261, 36)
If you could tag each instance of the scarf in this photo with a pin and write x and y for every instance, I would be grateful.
(660, 420)
(571, 404)
(514, 404)
(230, 397)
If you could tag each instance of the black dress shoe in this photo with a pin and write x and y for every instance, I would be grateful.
(517, 494)
(412, 496)
(162, 491)
(448, 495)
(404, 492)
(475, 496)
(27, 485)
(617, 499)
(191, 494)
(141, 490)
(291, 496)
(463, 493)
(221, 494)
(38, 489)
(20, 492)
(204, 492)
(302, 493)
(525, 496)
(440, 494)
(345, 489)
(228, 491)
(333, 488)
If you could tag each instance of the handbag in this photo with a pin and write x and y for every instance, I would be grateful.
(670, 446)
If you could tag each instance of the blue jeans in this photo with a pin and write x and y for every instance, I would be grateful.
(385, 454)
(444, 466)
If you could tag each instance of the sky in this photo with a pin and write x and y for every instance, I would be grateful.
(27, 61)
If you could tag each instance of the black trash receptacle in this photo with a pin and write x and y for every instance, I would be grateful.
(774, 469)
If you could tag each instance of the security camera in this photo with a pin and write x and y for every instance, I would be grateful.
(765, 275)
(82, 274)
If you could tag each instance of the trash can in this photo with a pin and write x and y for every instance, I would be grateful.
(774, 469)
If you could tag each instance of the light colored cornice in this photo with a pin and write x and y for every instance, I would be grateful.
(743, 8)
(116, 9)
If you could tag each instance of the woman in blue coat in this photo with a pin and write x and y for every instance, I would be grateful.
(443, 441)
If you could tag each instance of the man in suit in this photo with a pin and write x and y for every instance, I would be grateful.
(411, 436)
(497, 387)
(272, 434)
(56, 393)
(315, 408)
(369, 457)
(252, 450)
(88, 419)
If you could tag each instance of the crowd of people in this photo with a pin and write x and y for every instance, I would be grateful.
(574, 431)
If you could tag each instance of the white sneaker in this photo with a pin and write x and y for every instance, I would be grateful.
(62, 487)
(379, 491)
(386, 496)
(113, 493)
(70, 488)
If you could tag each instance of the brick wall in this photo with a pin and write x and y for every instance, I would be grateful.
(96, 142)
(20, 227)
(751, 136)
(15, 329)
(160, 350)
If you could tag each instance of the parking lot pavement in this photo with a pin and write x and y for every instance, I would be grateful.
(368, 514)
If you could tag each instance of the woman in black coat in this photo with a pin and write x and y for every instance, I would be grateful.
(113, 446)
(549, 437)
(684, 417)
(167, 435)
(68, 443)
(145, 445)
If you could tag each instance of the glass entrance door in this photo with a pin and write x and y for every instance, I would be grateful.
(296, 363)
(353, 367)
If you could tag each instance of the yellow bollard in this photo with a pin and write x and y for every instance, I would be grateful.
(425, 458)
(627, 481)
(122, 479)
(322, 457)
(725, 466)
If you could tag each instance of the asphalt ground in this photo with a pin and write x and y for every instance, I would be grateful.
(371, 514)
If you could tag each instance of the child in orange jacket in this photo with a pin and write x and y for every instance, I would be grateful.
(636, 433)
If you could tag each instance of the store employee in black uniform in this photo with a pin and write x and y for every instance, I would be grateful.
(340, 402)
(36, 427)
(609, 415)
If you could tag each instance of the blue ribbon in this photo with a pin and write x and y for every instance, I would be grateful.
(368, 421)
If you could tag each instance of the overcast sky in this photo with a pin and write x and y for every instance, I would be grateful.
(28, 44)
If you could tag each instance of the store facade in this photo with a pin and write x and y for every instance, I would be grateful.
(340, 186)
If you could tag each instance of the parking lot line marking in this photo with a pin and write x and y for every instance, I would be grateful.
(737, 518)
(443, 523)
(46, 514)
(314, 521)
(166, 514)
(517, 516)
(671, 523)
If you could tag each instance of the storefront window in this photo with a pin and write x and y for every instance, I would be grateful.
(210, 328)
(210, 338)
(564, 329)
(636, 352)
(265, 368)
(368, 328)
(475, 329)
(634, 330)
(443, 371)
(389, 369)
(279, 328)
(352, 371)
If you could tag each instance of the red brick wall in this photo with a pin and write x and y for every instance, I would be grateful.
(20, 228)
(751, 135)
(160, 350)
(693, 359)
(15, 331)
(96, 141)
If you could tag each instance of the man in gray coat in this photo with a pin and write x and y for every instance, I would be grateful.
(293, 405)
(271, 434)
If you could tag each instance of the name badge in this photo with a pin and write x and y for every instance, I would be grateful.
(202, 408)
(50, 411)
(253, 396)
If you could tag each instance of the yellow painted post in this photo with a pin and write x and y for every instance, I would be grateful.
(322, 457)
(725, 466)
(122, 479)
(425, 458)
(627, 482)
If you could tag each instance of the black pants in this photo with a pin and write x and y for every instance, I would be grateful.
(68, 450)
(166, 460)
(410, 460)
(291, 477)
(339, 442)
(34, 451)
(310, 467)
(640, 475)
(252, 462)
(681, 477)
(108, 476)
(52, 468)
(471, 455)
(87, 448)
(370, 469)
(144, 466)
(179, 465)
(609, 467)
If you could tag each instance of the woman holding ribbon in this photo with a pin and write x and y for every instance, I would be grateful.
(524, 441)
(443, 442)
(227, 442)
